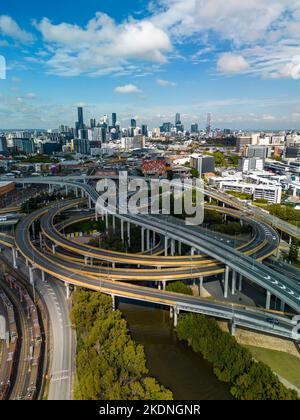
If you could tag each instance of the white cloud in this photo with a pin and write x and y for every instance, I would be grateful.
(127, 89)
(10, 28)
(103, 46)
(265, 33)
(165, 83)
(231, 63)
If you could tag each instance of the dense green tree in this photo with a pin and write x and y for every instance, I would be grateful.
(232, 363)
(179, 287)
(110, 365)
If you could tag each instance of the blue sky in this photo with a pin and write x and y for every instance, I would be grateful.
(150, 59)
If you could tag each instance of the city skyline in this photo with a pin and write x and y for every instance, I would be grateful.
(150, 60)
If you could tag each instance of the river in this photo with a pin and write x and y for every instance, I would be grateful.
(172, 362)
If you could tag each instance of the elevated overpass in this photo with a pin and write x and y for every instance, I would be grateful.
(274, 283)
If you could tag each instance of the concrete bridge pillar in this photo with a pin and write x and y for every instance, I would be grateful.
(154, 239)
(176, 315)
(67, 290)
(114, 223)
(179, 248)
(90, 203)
(173, 247)
(67, 190)
(54, 249)
(128, 234)
(76, 192)
(106, 221)
(113, 298)
(143, 240)
(43, 276)
(193, 252)
(122, 231)
(31, 279)
(164, 285)
(33, 230)
(232, 327)
(282, 306)
(82, 193)
(14, 255)
(201, 279)
(148, 239)
(233, 282)
(41, 239)
(226, 282)
(240, 283)
(86, 260)
(268, 300)
(166, 246)
(171, 312)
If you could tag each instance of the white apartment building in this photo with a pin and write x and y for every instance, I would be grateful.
(271, 193)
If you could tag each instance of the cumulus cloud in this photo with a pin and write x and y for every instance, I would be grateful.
(10, 28)
(127, 89)
(231, 63)
(102, 46)
(265, 33)
(165, 83)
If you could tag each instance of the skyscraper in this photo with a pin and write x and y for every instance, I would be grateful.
(177, 119)
(208, 125)
(80, 118)
(144, 130)
(114, 119)
(133, 123)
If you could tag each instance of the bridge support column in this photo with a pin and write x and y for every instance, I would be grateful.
(31, 279)
(67, 290)
(171, 312)
(148, 239)
(122, 231)
(128, 234)
(233, 282)
(172, 247)
(179, 248)
(193, 252)
(154, 239)
(114, 223)
(143, 240)
(43, 276)
(86, 260)
(53, 249)
(176, 315)
(240, 283)
(282, 306)
(33, 230)
(106, 221)
(82, 193)
(166, 246)
(14, 259)
(76, 192)
(232, 327)
(226, 281)
(90, 203)
(67, 190)
(164, 285)
(41, 239)
(268, 300)
(113, 298)
(201, 279)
